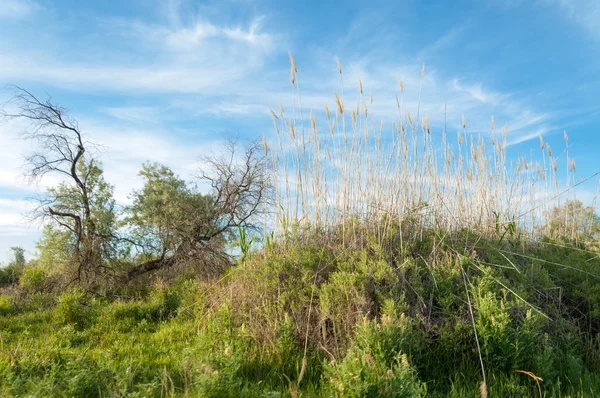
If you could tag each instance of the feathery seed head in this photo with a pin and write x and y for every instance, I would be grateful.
(483, 389)
(273, 113)
(400, 84)
(425, 125)
(293, 69)
(339, 103)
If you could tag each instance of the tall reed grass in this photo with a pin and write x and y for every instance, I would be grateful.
(349, 166)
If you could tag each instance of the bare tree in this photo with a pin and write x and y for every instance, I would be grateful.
(62, 151)
(242, 189)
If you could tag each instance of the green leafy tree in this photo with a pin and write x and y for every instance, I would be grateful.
(18, 260)
(83, 218)
(176, 224)
(55, 249)
(81, 205)
(170, 221)
(11, 273)
(574, 222)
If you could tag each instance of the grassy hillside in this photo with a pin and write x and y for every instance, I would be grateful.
(401, 263)
(306, 317)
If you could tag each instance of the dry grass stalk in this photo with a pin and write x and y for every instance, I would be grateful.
(365, 170)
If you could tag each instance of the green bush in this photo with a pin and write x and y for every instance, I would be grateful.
(10, 275)
(7, 305)
(33, 279)
(75, 308)
(374, 366)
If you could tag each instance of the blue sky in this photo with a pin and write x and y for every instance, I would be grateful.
(164, 80)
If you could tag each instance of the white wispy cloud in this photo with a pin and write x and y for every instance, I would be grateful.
(17, 9)
(135, 114)
(479, 93)
(12, 218)
(162, 78)
(198, 57)
(189, 38)
(585, 13)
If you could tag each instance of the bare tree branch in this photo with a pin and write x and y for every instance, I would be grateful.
(61, 151)
(241, 192)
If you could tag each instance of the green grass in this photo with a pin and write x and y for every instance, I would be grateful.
(313, 319)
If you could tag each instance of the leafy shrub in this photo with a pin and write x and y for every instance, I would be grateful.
(6, 305)
(39, 301)
(374, 367)
(74, 308)
(10, 275)
(33, 279)
(171, 299)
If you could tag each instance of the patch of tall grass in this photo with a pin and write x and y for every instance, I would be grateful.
(349, 166)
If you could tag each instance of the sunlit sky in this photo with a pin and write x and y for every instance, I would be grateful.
(165, 80)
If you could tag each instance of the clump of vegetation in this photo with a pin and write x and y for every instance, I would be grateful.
(395, 267)
(323, 322)
(74, 308)
(11, 273)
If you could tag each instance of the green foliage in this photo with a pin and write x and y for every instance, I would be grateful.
(167, 211)
(575, 223)
(309, 319)
(33, 280)
(75, 308)
(98, 197)
(10, 274)
(7, 305)
(18, 260)
(245, 243)
(55, 249)
(79, 235)
(374, 365)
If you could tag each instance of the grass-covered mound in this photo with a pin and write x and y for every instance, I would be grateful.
(308, 316)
